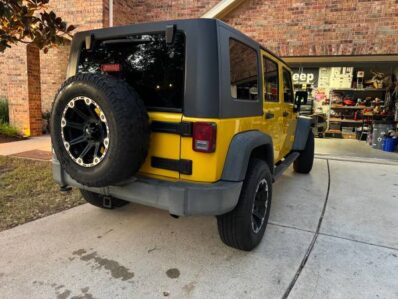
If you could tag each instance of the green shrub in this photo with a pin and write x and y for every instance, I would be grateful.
(8, 130)
(4, 111)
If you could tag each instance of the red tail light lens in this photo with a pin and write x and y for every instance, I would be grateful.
(204, 137)
(111, 67)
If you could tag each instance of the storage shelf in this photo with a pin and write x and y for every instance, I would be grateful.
(359, 90)
(333, 131)
(349, 107)
(339, 120)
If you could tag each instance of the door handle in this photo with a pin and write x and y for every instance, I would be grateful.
(285, 114)
(269, 115)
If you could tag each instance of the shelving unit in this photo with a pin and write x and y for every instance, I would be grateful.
(339, 120)
(335, 107)
(336, 125)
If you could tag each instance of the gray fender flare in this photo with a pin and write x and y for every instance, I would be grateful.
(303, 127)
(239, 152)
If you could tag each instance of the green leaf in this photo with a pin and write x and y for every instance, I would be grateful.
(26, 21)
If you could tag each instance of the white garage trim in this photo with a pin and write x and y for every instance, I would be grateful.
(222, 8)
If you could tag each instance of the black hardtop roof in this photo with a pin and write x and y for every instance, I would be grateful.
(177, 22)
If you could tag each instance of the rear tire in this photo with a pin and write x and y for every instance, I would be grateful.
(98, 200)
(243, 228)
(304, 162)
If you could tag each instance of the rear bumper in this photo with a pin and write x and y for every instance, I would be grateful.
(179, 198)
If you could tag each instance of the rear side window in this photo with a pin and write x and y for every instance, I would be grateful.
(243, 71)
(153, 68)
(271, 80)
(287, 87)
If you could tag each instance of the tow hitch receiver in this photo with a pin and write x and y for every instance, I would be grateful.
(107, 202)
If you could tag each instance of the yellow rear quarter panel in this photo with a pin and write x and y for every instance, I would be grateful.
(208, 167)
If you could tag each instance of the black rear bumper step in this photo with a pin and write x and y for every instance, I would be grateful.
(182, 166)
(183, 128)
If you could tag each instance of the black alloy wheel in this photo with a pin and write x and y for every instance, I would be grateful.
(260, 205)
(85, 131)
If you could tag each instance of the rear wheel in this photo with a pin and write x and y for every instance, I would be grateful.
(243, 228)
(102, 201)
(304, 162)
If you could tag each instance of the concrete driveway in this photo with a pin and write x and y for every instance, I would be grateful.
(326, 239)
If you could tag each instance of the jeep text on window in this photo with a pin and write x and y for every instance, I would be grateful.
(271, 81)
(154, 69)
(243, 71)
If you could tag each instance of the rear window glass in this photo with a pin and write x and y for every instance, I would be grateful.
(243, 71)
(155, 69)
(271, 79)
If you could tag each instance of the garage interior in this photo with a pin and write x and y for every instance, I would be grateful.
(351, 98)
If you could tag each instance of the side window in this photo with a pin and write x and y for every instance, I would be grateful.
(243, 71)
(287, 87)
(271, 80)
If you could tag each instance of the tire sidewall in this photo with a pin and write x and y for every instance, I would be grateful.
(246, 201)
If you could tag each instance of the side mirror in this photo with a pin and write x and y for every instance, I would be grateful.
(300, 98)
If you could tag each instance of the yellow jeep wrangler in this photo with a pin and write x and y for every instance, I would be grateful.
(190, 116)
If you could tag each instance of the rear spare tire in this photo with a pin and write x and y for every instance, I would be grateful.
(99, 129)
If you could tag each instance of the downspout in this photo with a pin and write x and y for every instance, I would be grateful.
(110, 13)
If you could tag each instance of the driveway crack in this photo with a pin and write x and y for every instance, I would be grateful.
(312, 244)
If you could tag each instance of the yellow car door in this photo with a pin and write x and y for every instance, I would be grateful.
(288, 113)
(272, 108)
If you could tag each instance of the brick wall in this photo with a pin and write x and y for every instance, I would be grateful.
(14, 85)
(130, 12)
(292, 27)
(324, 27)
(20, 84)
(53, 70)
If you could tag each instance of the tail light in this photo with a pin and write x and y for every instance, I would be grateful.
(204, 137)
(111, 67)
